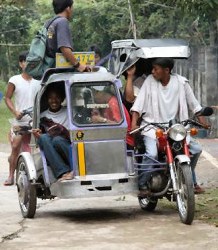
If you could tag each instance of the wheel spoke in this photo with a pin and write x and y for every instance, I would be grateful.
(185, 196)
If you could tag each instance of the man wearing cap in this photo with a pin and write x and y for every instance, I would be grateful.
(164, 96)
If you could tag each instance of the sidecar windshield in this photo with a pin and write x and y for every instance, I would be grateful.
(95, 104)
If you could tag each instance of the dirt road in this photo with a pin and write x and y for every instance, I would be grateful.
(104, 223)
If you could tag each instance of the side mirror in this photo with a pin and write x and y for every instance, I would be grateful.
(206, 111)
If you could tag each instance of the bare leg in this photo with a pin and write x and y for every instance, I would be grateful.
(15, 146)
(25, 146)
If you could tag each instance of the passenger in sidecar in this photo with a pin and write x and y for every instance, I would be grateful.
(53, 136)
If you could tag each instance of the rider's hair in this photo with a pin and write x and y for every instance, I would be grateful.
(60, 5)
(58, 88)
(95, 48)
(22, 56)
(164, 62)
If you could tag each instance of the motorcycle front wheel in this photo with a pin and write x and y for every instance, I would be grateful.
(185, 196)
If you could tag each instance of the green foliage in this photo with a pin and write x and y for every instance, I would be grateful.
(5, 114)
(13, 33)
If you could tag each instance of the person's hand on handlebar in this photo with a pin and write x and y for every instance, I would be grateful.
(203, 122)
(18, 114)
(133, 127)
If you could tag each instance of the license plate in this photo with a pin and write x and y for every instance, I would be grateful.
(86, 58)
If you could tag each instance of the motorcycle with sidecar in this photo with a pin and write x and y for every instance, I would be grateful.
(170, 174)
(98, 153)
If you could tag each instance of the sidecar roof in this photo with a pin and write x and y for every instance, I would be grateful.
(125, 53)
(70, 75)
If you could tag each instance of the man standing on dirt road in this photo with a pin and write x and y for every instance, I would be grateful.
(24, 89)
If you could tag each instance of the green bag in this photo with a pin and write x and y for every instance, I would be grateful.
(37, 62)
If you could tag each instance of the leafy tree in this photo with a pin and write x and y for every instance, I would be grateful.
(13, 30)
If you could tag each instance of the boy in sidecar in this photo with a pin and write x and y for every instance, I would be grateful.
(53, 138)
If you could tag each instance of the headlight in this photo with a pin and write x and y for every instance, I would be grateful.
(177, 132)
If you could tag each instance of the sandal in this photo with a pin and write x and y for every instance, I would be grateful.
(9, 182)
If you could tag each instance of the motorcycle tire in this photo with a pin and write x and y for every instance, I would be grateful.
(26, 191)
(185, 197)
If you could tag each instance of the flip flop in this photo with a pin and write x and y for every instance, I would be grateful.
(9, 182)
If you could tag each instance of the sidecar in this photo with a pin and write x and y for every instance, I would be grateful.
(98, 152)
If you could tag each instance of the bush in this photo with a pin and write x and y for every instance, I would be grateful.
(5, 114)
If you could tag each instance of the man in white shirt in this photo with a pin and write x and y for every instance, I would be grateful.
(164, 96)
(24, 89)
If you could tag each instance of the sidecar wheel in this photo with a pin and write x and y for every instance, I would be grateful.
(26, 191)
(148, 204)
(185, 197)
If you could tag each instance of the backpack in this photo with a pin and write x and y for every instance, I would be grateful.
(37, 62)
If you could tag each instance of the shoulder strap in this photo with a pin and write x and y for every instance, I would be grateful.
(51, 21)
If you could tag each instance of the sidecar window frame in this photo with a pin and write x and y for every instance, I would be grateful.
(89, 86)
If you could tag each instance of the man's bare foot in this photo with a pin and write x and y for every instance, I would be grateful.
(9, 182)
(67, 176)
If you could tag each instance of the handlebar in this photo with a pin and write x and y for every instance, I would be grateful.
(28, 111)
(195, 123)
(160, 125)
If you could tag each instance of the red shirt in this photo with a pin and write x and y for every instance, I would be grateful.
(113, 114)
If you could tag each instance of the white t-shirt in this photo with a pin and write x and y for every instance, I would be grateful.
(168, 100)
(58, 117)
(24, 93)
(150, 101)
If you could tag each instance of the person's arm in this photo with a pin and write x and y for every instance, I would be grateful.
(8, 100)
(129, 91)
(192, 102)
(214, 107)
(67, 53)
(135, 117)
(194, 105)
(203, 121)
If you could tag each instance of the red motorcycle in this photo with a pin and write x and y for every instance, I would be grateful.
(171, 175)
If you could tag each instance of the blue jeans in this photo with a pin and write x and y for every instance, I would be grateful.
(56, 150)
(151, 151)
(195, 149)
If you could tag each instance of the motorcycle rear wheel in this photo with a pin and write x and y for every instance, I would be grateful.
(185, 197)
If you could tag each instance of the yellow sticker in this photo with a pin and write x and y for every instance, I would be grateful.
(79, 135)
(85, 58)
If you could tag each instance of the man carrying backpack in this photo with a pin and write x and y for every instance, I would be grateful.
(55, 36)
(59, 38)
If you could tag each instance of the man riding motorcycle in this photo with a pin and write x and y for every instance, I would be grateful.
(164, 96)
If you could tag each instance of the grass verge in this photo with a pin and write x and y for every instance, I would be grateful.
(206, 206)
